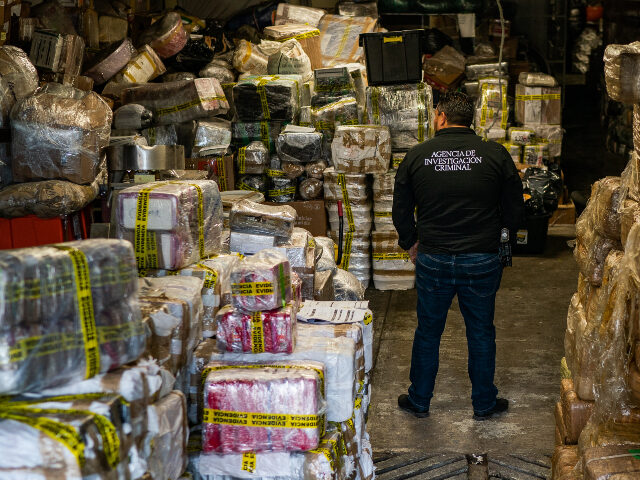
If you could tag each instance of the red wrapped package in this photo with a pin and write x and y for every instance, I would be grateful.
(257, 332)
(261, 282)
(260, 408)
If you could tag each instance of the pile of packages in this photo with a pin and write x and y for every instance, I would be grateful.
(598, 417)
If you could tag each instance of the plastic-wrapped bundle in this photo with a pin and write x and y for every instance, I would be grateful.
(349, 188)
(265, 97)
(605, 207)
(141, 68)
(535, 79)
(564, 461)
(316, 169)
(281, 189)
(111, 60)
(59, 135)
(356, 253)
(46, 199)
(494, 133)
(215, 70)
(361, 149)
(161, 135)
(347, 286)
(293, 397)
(250, 217)
(488, 68)
(166, 35)
(291, 170)
(311, 189)
(261, 282)
(296, 14)
(339, 37)
(300, 251)
(252, 159)
(212, 132)
(263, 465)
(629, 216)
(549, 134)
(392, 268)
(252, 183)
(49, 337)
(306, 34)
(326, 118)
(18, 79)
(538, 105)
(181, 76)
(290, 59)
(331, 84)
(521, 136)
(132, 117)
(253, 59)
(492, 109)
(621, 72)
(535, 154)
(271, 331)
(172, 224)
(611, 461)
(383, 185)
(575, 412)
(327, 260)
(299, 144)
(323, 285)
(406, 109)
(591, 250)
(244, 133)
(359, 217)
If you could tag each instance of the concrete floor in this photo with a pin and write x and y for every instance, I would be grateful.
(530, 321)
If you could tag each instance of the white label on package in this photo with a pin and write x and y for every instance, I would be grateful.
(325, 312)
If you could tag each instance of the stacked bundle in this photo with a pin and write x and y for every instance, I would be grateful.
(392, 268)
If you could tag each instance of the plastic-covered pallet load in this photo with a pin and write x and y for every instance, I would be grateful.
(406, 109)
(172, 224)
(132, 117)
(538, 105)
(347, 286)
(267, 97)
(361, 149)
(356, 254)
(611, 461)
(296, 14)
(168, 435)
(492, 109)
(305, 33)
(392, 268)
(290, 59)
(272, 331)
(261, 282)
(339, 38)
(621, 64)
(59, 134)
(267, 132)
(70, 312)
(299, 144)
(250, 217)
(177, 102)
(166, 35)
(18, 79)
(267, 409)
(252, 159)
(141, 68)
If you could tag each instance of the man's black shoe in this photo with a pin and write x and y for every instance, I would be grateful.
(501, 406)
(405, 404)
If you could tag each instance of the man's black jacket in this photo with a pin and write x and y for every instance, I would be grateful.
(465, 190)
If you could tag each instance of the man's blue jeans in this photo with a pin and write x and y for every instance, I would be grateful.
(475, 278)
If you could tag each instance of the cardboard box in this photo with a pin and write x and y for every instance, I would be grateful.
(564, 215)
(220, 169)
(311, 216)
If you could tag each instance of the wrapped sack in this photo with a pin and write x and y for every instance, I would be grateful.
(261, 282)
(290, 59)
(307, 35)
(267, 97)
(406, 109)
(250, 217)
(286, 14)
(299, 144)
(244, 133)
(141, 68)
(46, 199)
(132, 117)
(315, 169)
(293, 397)
(178, 102)
(215, 70)
(252, 159)
(271, 331)
(361, 149)
(311, 189)
(59, 135)
(347, 286)
(18, 80)
(110, 61)
(349, 188)
(281, 189)
(172, 224)
(166, 35)
(252, 183)
(538, 105)
(161, 135)
(339, 38)
(621, 72)
(492, 109)
(536, 79)
(213, 132)
(253, 59)
(48, 336)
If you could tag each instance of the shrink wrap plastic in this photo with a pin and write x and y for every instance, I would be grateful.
(406, 109)
(253, 59)
(356, 253)
(300, 251)
(213, 70)
(47, 338)
(18, 80)
(292, 398)
(361, 149)
(327, 260)
(290, 59)
(629, 216)
(268, 97)
(261, 282)
(338, 355)
(132, 117)
(316, 169)
(492, 109)
(606, 205)
(350, 188)
(339, 38)
(392, 268)
(592, 249)
(252, 183)
(621, 72)
(383, 185)
(614, 461)
(299, 144)
(250, 217)
(177, 102)
(173, 307)
(550, 134)
(244, 133)
(114, 59)
(59, 134)
(46, 199)
(360, 214)
(341, 112)
(563, 462)
(286, 14)
(535, 79)
(291, 170)
(252, 159)
(538, 105)
(180, 76)
(347, 286)
(213, 132)
(172, 224)
(281, 189)
(330, 84)
(166, 36)
(535, 154)
(271, 331)
(306, 34)
(141, 68)
(630, 180)
(161, 135)
(311, 189)
(168, 435)
(636, 126)
(575, 412)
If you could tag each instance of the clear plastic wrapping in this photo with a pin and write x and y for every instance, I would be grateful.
(383, 186)
(629, 216)
(300, 251)
(265, 97)
(141, 68)
(244, 133)
(252, 159)
(132, 117)
(323, 285)
(47, 338)
(549, 134)
(538, 105)
(330, 84)
(563, 463)
(392, 268)
(252, 183)
(250, 217)
(326, 118)
(252, 59)
(327, 260)
(339, 38)
(271, 331)
(535, 154)
(296, 14)
(172, 224)
(261, 282)
(575, 412)
(492, 109)
(477, 71)
(213, 132)
(359, 217)
(535, 79)
(59, 134)
(166, 35)
(311, 189)
(605, 207)
(299, 144)
(215, 70)
(361, 149)
(621, 72)
(612, 461)
(350, 188)
(282, 409)
(591, 250)
(290, 59)
(281, 189)
(406, 109)
(316, 169)
(347, 286)
(18, 79)
(161, 135)
(263, 465)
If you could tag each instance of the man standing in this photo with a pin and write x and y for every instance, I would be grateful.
(453, 196)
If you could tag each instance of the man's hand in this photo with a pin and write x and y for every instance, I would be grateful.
(413, 253)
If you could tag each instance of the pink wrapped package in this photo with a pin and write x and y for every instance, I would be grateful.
(258, 332)
(255, 408)
(261, 282)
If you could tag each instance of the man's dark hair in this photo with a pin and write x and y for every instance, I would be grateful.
(458, 108)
